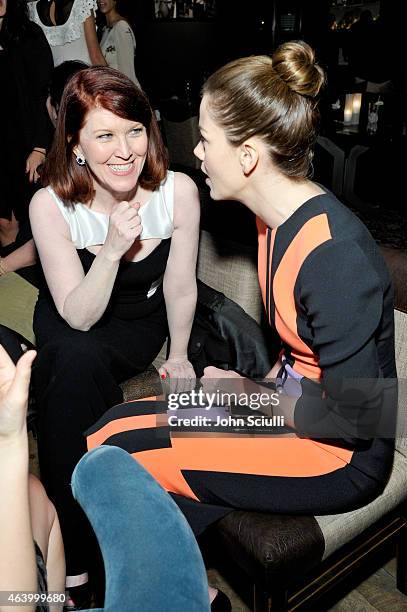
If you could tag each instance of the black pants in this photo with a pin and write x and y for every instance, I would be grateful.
(76, 379)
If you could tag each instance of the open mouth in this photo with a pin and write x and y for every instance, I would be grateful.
(121, 169)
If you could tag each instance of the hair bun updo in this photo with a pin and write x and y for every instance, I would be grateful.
(294, 62)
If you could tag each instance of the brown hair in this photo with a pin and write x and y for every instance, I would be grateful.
(99, 87)
(273, 98)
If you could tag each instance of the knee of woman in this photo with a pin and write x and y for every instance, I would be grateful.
(76, 351)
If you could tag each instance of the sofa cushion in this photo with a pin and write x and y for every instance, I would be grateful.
(338, 529)
(17, 302)
(232, 269)
(401, 361)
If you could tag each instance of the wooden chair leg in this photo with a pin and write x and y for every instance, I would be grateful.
(276, 601)
(402, 561)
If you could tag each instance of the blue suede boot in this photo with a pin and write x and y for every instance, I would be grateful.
(152, 560)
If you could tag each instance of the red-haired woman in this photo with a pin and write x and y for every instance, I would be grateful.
(117, 235)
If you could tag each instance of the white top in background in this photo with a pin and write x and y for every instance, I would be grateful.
(67, 41)
(118, 46)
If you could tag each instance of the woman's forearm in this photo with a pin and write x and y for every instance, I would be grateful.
(86, 304)
(17, 560)
(21, 258)
(180, 314)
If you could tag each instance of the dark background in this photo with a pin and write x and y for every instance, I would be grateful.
(169, 53)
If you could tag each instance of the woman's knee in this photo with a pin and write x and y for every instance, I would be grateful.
(70, 353)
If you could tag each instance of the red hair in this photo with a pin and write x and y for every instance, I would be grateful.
(99, 87)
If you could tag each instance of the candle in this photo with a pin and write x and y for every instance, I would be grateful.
(356, 104)
(348, 112)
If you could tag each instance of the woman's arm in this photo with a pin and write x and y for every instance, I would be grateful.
(80, 299)
(38, 65)
(95, 54)
(344, 306)
(22, 257)
(180, 276)
(37, 75)
(17, 560)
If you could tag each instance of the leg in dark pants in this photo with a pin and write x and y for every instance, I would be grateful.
(76, 377)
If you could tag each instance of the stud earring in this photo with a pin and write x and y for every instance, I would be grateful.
(80, 160)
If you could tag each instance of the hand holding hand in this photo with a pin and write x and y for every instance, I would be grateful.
(215, 379)
(179, 374)
(34, 160)
(14, 386)
(124, 228)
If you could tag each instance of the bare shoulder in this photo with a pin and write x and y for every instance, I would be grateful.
(187, 208)
(45, 214)
(184, 185)
(42, 202)
(186, 197)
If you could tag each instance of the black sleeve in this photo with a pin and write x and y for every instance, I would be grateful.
(38, 68)
(342, 295)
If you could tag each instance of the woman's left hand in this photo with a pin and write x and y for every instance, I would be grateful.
(34, 160)
(180, 374)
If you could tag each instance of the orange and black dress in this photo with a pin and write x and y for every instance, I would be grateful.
(327, 291)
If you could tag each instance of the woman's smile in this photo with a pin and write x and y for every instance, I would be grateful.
(122, 169)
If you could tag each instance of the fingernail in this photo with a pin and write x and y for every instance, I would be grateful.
(163, 376)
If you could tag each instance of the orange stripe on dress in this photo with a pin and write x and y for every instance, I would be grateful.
(313, 233)
(285, 455)
(161, 463)
(118, 426)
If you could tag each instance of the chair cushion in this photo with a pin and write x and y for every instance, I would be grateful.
(338, 529)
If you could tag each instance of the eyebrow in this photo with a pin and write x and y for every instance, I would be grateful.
(109, 129)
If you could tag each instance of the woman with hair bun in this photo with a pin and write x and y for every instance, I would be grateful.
(325, 288)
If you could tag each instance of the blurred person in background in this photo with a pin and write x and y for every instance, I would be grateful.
(69, 26)
(118, 42)
(25, 69)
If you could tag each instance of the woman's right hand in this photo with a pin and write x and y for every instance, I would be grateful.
(124, 228)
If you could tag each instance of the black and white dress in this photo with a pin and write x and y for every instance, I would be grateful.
(77, 374)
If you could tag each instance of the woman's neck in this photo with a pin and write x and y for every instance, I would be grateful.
(112, 16)
(276, 197)
(105, 200)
